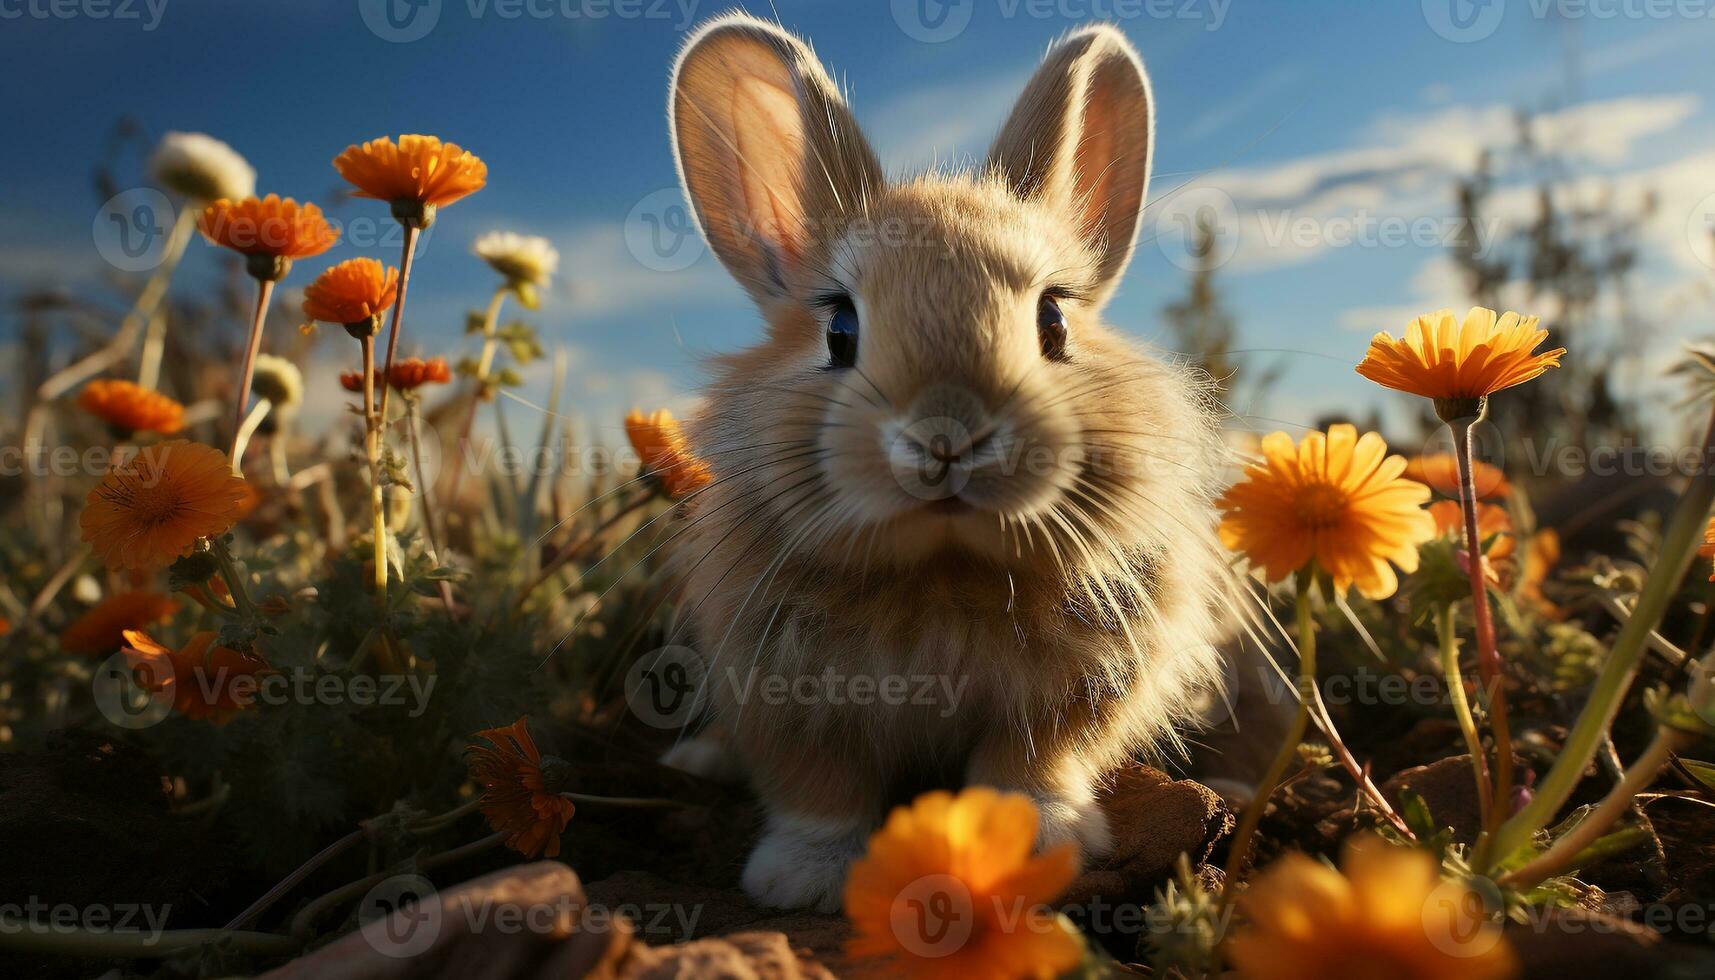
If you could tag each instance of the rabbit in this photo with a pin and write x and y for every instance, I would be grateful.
(939, 476)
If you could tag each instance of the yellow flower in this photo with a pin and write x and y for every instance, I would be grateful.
(415, 176)
(1441, 472)
(660, 444)
(155, 506)
(355, 291)
(1442, 358)
(949, 889)
(270, 231)
(1336, 500)
(130, 407)
(1389, 915)
(515, 795)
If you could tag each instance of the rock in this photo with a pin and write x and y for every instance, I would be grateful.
(671, 912)
(1562, 943)
(1154, 819)
(1450, 790)
(823, 935)
(740, 956)
(526, 921)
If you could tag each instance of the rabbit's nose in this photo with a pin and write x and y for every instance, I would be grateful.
(948, 423)
(954, 408)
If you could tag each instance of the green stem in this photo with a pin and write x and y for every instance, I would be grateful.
(1488, 657)
(1252, 816)
(412, 420)
(1461, 707)
(372, 449)
(576, 547)
(410, 253)
(264, 291)
(489, 343)
(148, 303)
(233, 578)
(1576, 841)
(36, 937)
(306, 917)
(247, 428)
(1679, 546)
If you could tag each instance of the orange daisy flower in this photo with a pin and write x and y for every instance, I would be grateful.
(270, 230)
(949, 888)
(515, 796)
(416, 175)
(1441, 472)
(414, 372)
(1443, 358)
(1541, 554)
(355, 291)
(1336, 500)
(1493, 522)
(155, 506)
(660, 444)
(206, 680)
(101, 629)
(130, 407)
(1389, 914)
(352, 381)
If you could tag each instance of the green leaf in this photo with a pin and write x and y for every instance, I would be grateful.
(1703, 772)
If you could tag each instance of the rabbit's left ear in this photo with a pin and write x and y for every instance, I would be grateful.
(1080, 139)
(770, 156)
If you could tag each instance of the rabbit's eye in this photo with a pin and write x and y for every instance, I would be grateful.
(1051, 329)
(842, 333)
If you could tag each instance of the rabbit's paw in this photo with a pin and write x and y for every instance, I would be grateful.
(801, 862)
(1083, 823)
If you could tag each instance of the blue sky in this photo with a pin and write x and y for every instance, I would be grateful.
(1320, 128)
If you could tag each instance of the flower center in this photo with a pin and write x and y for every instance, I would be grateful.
(1320, 505)
(149, 498)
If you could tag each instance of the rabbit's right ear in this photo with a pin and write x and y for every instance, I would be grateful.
(770, 156)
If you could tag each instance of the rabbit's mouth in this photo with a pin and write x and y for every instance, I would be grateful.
(949, 507)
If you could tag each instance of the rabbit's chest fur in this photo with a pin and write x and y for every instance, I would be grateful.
(909, 674)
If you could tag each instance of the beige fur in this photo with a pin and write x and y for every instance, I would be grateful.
(1074, 601)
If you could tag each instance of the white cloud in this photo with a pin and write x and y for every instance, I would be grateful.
(1393, 189)
(605, 278)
